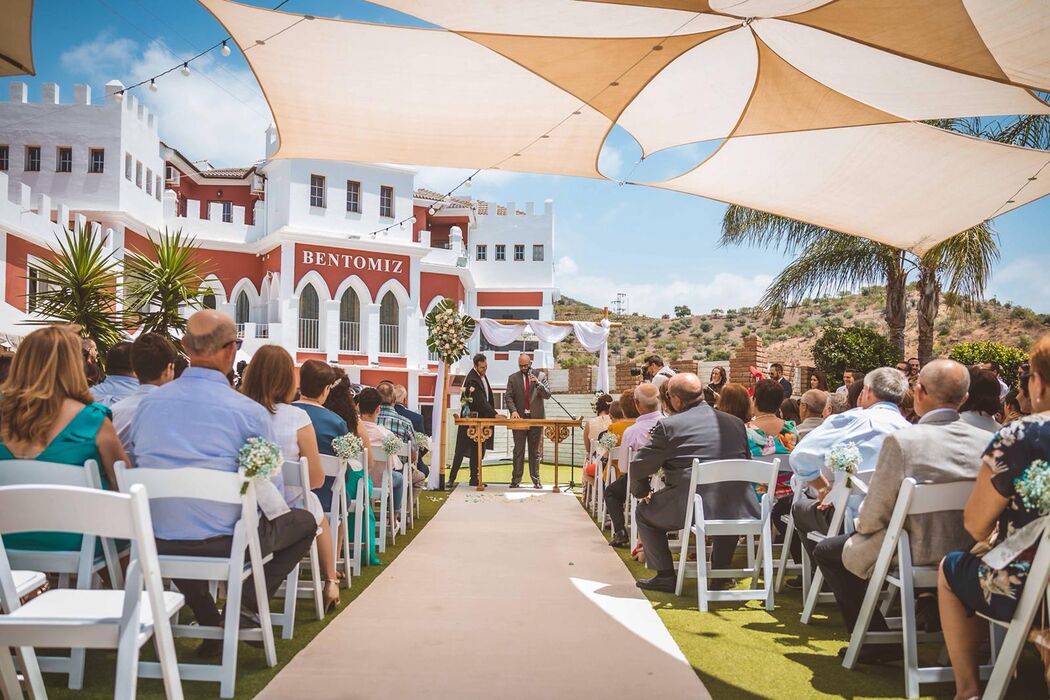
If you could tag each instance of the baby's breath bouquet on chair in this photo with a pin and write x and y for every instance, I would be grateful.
(608, 440)
(421, 441)
(348, 446)
(392, 445)
(260, 459)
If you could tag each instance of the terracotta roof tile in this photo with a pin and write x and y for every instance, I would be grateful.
(225, 172)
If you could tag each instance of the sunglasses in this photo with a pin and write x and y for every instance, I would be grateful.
(236, 341)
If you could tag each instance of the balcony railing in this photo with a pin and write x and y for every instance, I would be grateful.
(389, 342)
(349, 336)
(309, 335)
(262, 330)
(240, 329)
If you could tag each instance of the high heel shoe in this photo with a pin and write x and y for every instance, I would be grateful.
(330, 595)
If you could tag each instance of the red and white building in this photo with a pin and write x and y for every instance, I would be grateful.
(307, 254)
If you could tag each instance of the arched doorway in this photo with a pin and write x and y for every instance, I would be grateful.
(309, 318)
(349, 321)
(389, 325)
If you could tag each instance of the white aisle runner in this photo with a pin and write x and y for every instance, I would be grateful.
(506, 594)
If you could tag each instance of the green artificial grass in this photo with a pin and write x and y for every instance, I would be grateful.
(252, 672)
(741, 651)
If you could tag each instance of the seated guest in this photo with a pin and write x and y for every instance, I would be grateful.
(769, 437)
(120, 381)
(647, 401)
(269, 380)
(789, 411)
(199, 421)
(996, 371)
(153, 359)
(817, 380)
(837, 403)
(1011, 410)
(402, 427)
(89, 351)
(697, 431)
(1024, 401)
(908, 405)
(318, 392)
(983, 403)
(47, 413)
(966, 585)
(849, 378)
(369, 403)
(939, 449)
(735, 401)
(416, 419)
(591, 430)
(866, 427)
(811, 411)
(853, 393)
(629, 412)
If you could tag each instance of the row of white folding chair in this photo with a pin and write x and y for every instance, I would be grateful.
(345, 552)
(233, 569)
(753, 471)
(840, 524)
(409, 493)
(384, 493)
(798, 489)
(92, 619)
(81, 563)
(296, 476)
(913, 499)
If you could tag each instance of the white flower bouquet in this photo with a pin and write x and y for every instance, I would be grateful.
(844, 457)
(1033, 486)
(260, 460)
(449, 331)
(608, 440)
(421, 441)
(348, 446)
(392, 445)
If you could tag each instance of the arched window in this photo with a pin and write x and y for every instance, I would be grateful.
(389, 325)
(309, 318)
(349, 322)
(244, 309)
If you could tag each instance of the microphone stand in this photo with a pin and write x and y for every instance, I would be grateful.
(572, 464)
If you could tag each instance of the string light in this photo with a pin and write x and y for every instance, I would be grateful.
(186, 69)
(225, 49)
(152, 85)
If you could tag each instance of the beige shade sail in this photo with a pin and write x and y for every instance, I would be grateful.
(16, 39)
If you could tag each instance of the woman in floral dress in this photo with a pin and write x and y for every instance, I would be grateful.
(1002, 503)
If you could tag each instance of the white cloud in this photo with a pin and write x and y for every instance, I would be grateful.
(610, 162)
(216, 113)
(724, 290)
(444, 179)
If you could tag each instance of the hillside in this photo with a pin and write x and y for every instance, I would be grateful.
(714, 336)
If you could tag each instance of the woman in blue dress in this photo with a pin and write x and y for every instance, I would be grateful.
(969, 585)
(47, 413)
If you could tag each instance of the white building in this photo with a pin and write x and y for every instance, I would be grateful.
(334, 261)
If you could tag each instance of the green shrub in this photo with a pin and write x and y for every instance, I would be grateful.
(705, 326)
(1008, 358)
(841, 347)
(718, 356)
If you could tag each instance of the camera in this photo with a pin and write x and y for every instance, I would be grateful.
(644, 371)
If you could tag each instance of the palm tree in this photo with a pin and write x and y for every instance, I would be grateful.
(78, 285)
(162, 283)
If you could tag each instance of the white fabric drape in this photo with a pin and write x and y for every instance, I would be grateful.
(594, 337)
(437, 426)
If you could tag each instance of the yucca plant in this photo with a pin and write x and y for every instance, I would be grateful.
(160, 284)
(78, 285)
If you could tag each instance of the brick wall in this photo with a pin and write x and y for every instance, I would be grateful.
(750, 354)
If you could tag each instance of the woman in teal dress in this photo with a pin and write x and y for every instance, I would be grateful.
(47, 413)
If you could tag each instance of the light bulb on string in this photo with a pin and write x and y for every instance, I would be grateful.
(186, 69)
(119, 95)
(468, 183)
(152, 85)
(225, 49)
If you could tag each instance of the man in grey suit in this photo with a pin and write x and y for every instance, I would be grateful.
(939, 449)
(696, 431)
(526, 391)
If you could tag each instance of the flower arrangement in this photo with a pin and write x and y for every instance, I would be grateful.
(448, 331)
(260, 460)
(421, 441)
(608, 440)
(348, 446)
(1033, 486)
(844, 457)
(392, 444)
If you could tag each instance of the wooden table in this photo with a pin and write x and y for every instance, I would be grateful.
(554, 429)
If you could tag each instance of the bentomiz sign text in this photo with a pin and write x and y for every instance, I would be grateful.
(351, 261)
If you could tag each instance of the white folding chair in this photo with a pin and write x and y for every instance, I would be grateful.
(384, 493)
(90, 619)
(798, 488)
(407, 488)
(753, 471)
(219, 487)
(360, 507)
(913, 499)
(297, 477)
(1035, 588)
(338, 522)
(840, 524)
(82, 563)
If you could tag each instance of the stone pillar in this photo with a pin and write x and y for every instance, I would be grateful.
(329, 332)
(371, 321)
(750, 354)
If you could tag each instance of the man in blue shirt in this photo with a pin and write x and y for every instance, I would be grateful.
(199, 421)
(120, 381)
(401, 406)
(876, 416)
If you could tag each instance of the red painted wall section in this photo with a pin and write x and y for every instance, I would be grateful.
(301, 357)
(353, 359)
(372, 377)
(271, 260)
(336, 264)
(433, 284)
(441, 229)
(17, 253)
(230, 267)
(237, 191)
(510, 298)
(385, 361)
(427, 385)
(421, 221)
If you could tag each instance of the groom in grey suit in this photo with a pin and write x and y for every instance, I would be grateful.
(526, 391)
(696, 431)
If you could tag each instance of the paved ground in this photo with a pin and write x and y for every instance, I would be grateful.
(506, 594)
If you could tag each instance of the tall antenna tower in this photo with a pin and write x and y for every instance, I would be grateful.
(620, 305)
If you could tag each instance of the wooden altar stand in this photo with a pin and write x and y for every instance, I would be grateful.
(554, 429)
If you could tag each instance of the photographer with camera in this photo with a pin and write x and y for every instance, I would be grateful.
(653, 370)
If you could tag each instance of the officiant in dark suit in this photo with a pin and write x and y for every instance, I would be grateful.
(526, 391)
(477, 399)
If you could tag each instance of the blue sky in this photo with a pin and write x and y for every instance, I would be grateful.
(660, 247)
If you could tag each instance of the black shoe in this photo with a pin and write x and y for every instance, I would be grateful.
(876, 653)
(514, 485)
(537, 485)
(620, 541)
(474, 484)
(209, 649)
(794, 584)
(720, 584)
(662, 584)
(451, 485)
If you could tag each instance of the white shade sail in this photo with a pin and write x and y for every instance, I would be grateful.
(814, 100)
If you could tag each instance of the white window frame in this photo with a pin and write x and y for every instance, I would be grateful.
(353, 197)
(227, 211)
(28, 160)
(519, 252)
(32, 262)
(129, 167)
(5, 157)
(138, 174)
(158, 190)
(96, 156)
(318, 193)
(501, 252)
(149, 181)
(59, 152)
(537, 248)
(481, 251)
(389, 206)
